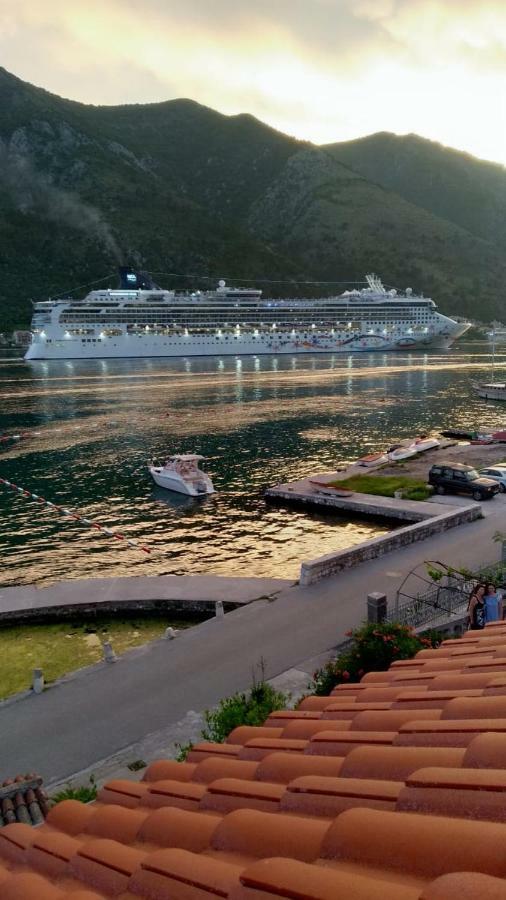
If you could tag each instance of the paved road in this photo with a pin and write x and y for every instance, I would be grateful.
(92, 716)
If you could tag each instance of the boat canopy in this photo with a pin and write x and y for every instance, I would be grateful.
(186, 457)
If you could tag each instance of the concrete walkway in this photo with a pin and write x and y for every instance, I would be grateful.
(92, 716)
(102, 594)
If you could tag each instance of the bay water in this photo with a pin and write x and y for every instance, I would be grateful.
(258, 420)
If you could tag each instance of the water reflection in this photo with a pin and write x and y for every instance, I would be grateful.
(261, 420)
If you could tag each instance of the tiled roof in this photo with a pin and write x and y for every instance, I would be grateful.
(22, 799)
(392, 788)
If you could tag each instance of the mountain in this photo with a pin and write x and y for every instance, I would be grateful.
(176, 187)
(451, 184)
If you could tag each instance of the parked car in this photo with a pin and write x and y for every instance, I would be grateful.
(455, 478)
(496, 473)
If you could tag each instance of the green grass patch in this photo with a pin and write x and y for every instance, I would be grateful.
(386, 486)
(62, 647)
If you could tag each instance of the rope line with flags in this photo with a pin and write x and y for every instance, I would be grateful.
(62, 510)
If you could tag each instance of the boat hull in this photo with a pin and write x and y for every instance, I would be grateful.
(491, 391)
(172, 483)
(144, 345)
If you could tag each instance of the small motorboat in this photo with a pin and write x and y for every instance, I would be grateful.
(372, 459)
(423, 443)
(397, 454)
(181, 473)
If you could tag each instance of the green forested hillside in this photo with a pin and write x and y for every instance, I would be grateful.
(178, 188)
(456, 186)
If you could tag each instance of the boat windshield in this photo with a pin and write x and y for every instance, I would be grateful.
(472, 475)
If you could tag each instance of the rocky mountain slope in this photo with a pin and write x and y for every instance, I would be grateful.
(178, 188)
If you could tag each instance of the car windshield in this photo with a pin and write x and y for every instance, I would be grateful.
(472, 475)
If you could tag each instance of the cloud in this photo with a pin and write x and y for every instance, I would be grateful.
(320, 69)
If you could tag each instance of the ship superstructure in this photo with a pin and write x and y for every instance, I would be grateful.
(139, 319)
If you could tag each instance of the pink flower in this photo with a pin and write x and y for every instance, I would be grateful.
(346, 675)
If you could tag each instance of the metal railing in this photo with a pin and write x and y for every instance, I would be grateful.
(446, 601)
(442, 601)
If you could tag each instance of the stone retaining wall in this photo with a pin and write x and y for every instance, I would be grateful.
(334, 563)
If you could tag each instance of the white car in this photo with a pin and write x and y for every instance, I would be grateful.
(497, 473)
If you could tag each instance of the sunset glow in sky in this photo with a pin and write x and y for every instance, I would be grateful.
(322, 70)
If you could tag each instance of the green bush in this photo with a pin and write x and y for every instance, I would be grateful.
(85, 793)
(251, 708)
(373, 649)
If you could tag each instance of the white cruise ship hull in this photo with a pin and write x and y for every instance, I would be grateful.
(137, 346)
(140, 320)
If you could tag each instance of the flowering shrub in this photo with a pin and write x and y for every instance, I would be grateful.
(373, 648)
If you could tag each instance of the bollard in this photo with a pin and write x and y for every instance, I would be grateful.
(109, 654)
(37, 681)
(170, 633)
(376, 607)
(219, 611)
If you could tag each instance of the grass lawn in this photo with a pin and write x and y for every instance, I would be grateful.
(64, 646)
(386, 485)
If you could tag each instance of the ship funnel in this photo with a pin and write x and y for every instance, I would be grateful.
(130, 278)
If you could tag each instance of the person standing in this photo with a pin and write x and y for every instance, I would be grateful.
(476, 608)
(493, 604)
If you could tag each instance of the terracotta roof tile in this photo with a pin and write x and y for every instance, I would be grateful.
(396, 763)
(245, 733)
(271, 878)
(182, 794)
(14, 840)
(466, 793)
(465, 886)
(281, 768)
(418, 844)
(304, 730)
(123, 793)
(29, 886)
(259, 748)
(206, 749)
(331, 743)
(172, 827)
(392, 719)
(116, 823)
(486, 751)
(445, 733)
(211, 769)
(70, 816)
(431, 699)
(314, 703)
(312, 795)
(348, 710)
(179, 875)
(106, 865)
(162, 769)
(250, 833)
(50, 853)
(475, 708)
(226, 794)
(283, 716)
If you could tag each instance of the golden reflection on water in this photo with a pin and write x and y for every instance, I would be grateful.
(260, 421)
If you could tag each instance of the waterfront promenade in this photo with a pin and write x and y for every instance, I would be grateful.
(94, 714)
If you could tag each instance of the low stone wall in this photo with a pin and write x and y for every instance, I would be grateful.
(333, 563)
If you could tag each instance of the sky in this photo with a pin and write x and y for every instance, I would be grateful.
(321, 70)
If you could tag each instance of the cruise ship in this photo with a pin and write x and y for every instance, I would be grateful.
(139, 319)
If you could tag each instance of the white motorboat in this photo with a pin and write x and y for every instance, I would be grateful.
(421, 444)
(396, 454)
(181, 473)
(372, 459)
